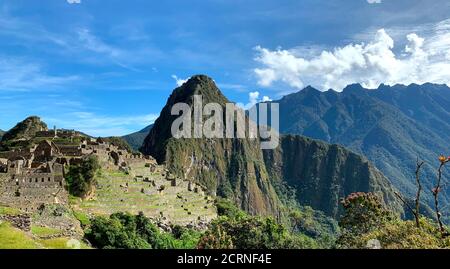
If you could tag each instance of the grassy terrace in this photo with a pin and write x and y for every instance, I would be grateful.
(12, 238)
(176, 203)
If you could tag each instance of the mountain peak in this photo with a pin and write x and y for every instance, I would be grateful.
(25, 129)
(200, 79)
(310, 89)
(198, 85)
(198, 82)
(354, 88)
(161, 131)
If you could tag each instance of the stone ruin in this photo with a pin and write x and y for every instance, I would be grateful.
(29, 188)
(22, 221)
(32, 177)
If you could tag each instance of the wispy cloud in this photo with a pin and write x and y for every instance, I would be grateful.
(94, 44)
(74, 1)
(21, 75)
(374, 1)
(25, 30)
(231, 86)
(423, 59)
(101, 125)
(80, 44)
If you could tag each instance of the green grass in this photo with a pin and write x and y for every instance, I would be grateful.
(44, 231)
(12, 238)
(63, 243)
(82, 218)
(9, 211)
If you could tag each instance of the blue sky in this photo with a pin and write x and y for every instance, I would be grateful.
(107, 67)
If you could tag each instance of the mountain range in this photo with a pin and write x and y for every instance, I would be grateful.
(332, 144)
(258, 180)
(392, 126)
(136, 139)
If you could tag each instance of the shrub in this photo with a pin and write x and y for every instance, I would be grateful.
(365, 219)
(235, 229)
(126, 231)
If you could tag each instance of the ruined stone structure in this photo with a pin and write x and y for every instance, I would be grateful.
(32, 177)
(22, 221)
(29, 188)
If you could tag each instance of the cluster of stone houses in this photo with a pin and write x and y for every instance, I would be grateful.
(34, 176)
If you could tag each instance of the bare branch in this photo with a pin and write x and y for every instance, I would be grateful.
(399, 196)
(419, 165)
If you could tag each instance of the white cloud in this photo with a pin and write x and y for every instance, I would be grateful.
(253, 99)
(423, 59)
(374, 1)
(179, 81)
(74, 1)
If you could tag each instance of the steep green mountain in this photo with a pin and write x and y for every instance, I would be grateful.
(232, 168)
(1, 134)
(238, 169)
(23, 132)
(135, 140)
(392, 126)
(322, 174)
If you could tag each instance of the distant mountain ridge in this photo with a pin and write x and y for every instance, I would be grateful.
(136, 139)
(239, 170)
(391, 125)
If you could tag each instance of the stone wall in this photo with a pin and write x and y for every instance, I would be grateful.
(22, 221)
(30, 189)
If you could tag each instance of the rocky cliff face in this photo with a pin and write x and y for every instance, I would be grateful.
(322, 174)
(238, 169)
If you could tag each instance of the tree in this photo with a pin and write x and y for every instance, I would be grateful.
(363, 212)
(236, 229)
(126, 231)
(81, 177)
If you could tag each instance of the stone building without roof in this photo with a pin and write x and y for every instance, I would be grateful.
(32, 177)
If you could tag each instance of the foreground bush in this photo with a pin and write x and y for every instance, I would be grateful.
(126, 231)
(235, 229)
(367, 221)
